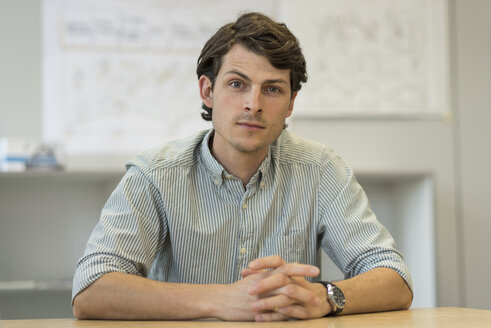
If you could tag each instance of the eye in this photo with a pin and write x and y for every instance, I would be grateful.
(235, 84)
(273, 89)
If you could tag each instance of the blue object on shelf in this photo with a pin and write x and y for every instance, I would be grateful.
(44, 158)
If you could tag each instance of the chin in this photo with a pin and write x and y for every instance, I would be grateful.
(249, 148)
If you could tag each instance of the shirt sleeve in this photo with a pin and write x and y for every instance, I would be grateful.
(352, 236)
(128, 235)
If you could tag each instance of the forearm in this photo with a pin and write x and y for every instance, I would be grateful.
(380, 289)
(123, 296)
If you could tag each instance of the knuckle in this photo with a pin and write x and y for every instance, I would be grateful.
(288, 310)
(282, 279)
(281, 317)
(303, 313)
(285, 279)
(284, 299)
(290, 290)
(312, 298)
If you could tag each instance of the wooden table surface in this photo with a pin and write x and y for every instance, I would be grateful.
(434, 317)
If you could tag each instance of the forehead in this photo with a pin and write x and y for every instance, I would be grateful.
(241, 59)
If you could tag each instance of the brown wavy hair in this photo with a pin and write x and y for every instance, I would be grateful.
(261, 35)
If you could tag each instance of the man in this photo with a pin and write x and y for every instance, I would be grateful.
(227, 224)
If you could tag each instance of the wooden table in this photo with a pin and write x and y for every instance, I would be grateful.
(437, 317)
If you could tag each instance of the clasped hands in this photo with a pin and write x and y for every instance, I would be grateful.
(278, 291)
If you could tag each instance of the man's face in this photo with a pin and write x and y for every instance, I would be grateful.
(251, 100)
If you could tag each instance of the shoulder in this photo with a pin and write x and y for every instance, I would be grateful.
(291, 148)
(178, 153)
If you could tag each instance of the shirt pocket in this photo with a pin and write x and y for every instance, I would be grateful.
(291, 248)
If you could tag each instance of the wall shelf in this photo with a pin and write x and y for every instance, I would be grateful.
(45, 221)
(34, 285)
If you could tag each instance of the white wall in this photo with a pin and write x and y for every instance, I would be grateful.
(454, 153)
(20, 68)
(472, 51)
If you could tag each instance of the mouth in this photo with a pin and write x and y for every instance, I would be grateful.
(251, 125)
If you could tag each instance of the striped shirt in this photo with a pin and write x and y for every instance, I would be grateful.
(178, 216)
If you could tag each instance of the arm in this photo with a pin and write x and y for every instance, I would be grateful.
(379, 289)
(119, 295)
(122, 296)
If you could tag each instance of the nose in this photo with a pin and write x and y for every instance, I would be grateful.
(253, 101)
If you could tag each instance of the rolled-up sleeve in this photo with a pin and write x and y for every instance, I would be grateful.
(352, 236)
(130, 232)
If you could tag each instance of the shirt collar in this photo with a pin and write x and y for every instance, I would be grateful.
(216, 170)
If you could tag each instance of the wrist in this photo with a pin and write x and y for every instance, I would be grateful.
(214, 304)
(321, 292)
(335, 297)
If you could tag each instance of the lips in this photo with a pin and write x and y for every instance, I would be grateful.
(251, 125)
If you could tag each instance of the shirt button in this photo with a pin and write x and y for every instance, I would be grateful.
(216, 182)
(261, 184)
(244, 206)
(243, 251)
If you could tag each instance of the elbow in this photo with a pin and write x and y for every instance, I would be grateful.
(77, 309)
(80, 308)
(90, 303)
(405, 298)
(402, 294)
(408, 299)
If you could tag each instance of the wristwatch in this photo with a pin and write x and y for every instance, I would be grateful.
(335, 297)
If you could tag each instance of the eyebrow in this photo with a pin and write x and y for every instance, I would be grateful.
(245, 77)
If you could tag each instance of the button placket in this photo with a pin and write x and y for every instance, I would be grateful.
(244, 224)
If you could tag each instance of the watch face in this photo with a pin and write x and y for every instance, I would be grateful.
(338, 296)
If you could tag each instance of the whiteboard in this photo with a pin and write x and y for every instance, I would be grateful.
(119, 75)
(372, 58)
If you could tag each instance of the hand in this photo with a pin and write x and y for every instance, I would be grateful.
(283, 292)
(234, 301)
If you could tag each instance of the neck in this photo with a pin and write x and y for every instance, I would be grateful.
(240, 164)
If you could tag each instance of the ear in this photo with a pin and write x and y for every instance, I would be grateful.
(290, 106)
(205, 91)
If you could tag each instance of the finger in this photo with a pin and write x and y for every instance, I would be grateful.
(269, 262)
(271, 303)
(296, 269)
(281, 277)
(297, 312)
(291, 269)
(299, 294)
(271, 316)
(247, 272)
(268, 284)
(294, 293)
